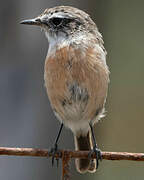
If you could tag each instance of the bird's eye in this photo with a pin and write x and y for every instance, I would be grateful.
(56, 21)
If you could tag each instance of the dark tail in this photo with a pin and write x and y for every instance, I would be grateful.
(84, 143)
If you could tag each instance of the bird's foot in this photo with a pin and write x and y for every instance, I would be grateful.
(98, 155)
(55, 151)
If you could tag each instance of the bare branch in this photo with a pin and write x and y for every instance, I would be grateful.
(65, 165)
(72, 154)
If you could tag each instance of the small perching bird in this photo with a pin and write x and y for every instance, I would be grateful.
(76, 76)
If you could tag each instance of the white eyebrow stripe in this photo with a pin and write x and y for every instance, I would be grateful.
(61, 15)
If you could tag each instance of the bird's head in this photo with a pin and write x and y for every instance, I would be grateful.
(63, 21)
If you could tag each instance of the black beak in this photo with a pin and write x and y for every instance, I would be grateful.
(35, 21)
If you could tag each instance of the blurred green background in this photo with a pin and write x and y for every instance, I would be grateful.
(26, 117)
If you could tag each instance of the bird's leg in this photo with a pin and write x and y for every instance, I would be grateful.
(95, 148)
(54, 150)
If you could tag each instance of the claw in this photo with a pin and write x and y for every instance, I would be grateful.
(54, 151)
(98, 155)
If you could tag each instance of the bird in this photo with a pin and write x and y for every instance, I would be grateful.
(76, 76)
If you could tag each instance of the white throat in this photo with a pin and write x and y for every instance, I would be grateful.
(60, 40)
(56, 42)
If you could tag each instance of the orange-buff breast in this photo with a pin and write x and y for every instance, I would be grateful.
(76, 84)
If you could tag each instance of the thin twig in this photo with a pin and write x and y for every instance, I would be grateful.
(72, 154)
